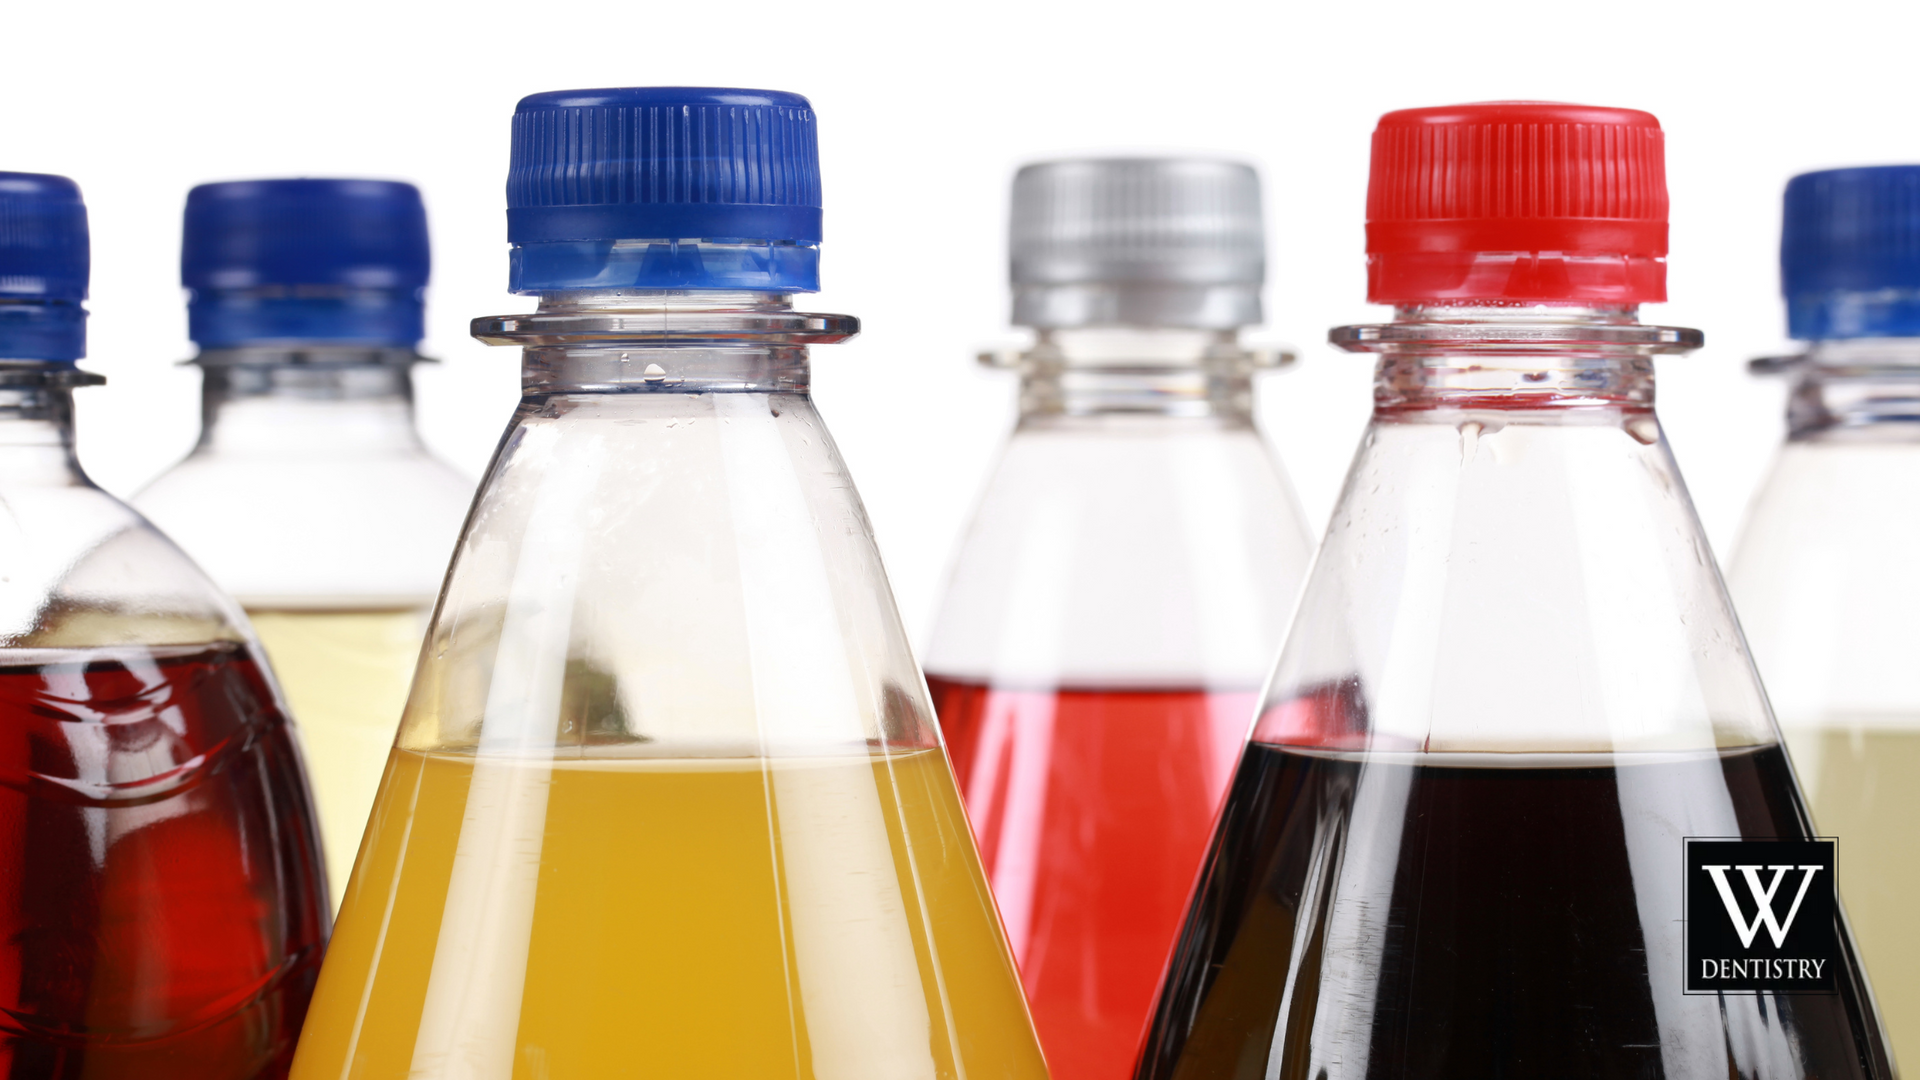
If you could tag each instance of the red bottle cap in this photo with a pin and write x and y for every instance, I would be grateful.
(1517, 201)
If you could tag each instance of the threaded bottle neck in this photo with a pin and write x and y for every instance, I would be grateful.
(1853, 390)
(293, 397)
(1514, 356)
(664, 341)
(36, 423)
(1137, 371)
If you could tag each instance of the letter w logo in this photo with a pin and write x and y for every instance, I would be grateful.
(1762, 898)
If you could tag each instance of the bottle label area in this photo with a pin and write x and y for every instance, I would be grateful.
(1760, 916)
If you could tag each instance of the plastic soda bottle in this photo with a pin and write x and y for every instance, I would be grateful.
(1824, 576)
(1515, 804)
(162, 900)
(668, 798)
(1124, 586)
(310, 497)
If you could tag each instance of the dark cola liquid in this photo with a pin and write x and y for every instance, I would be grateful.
(1496, 918)
(162, 904)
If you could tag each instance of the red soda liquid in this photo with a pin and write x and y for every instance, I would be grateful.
(1092, 809)
(163, 907)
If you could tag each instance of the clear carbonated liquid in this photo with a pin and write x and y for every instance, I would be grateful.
(1092, 809)
(162, 912)
(807, 917)
(1467, 916)
(346, 675)
(1863, 785)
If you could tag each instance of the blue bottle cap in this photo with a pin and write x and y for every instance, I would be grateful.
(664, 187)
(43, 268)
(309, 261)
(1850, 253)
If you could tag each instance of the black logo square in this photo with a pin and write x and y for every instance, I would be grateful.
(1760, 916)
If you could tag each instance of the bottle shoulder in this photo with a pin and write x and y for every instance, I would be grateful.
(1154, 460)
(282, 492)
(1120, 489)
(1138, 554)
(370, 531)
(683, 570)
(83, 568)
(1827, 586)
(1504, 582)
(1844, 513)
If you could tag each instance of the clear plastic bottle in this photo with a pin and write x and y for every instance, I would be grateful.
(1824, 575)
(1124, 585)
(162, 899)
(668, 798)
(310, 496)
(1466, 837)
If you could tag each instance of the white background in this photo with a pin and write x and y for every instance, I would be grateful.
(925, 109)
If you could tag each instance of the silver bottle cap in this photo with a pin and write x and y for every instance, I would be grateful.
(1151, 242)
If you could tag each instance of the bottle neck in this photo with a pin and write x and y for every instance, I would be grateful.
(1856, 390)
(1550, 359)
(36, 423)
(664, 341)
(1137, 371)
(323, 398)
(1219, 305)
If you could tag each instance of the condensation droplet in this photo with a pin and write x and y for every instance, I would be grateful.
(1470, 439)
(655, 373)
(1644, 429)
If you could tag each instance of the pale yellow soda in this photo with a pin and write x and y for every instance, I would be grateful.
(346, 676)
(1862, 781)
(815, 917)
